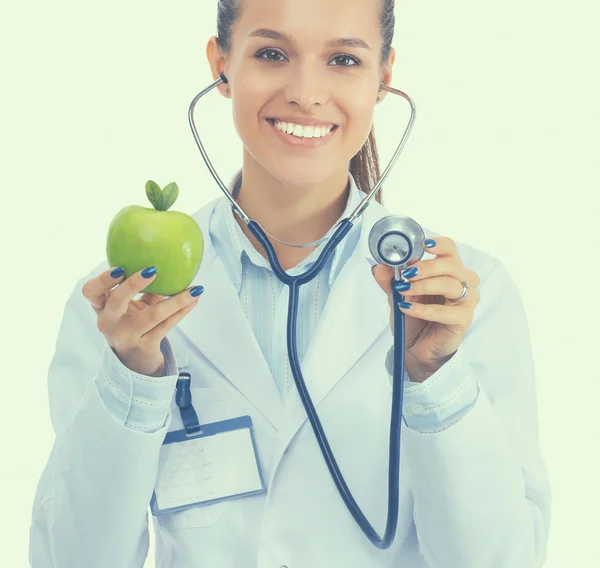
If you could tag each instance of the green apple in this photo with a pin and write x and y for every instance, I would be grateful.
(139, 237)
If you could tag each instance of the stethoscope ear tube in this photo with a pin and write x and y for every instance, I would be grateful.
(360, 208)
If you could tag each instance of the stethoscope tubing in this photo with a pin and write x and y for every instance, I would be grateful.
(395, 426)
(294, 283)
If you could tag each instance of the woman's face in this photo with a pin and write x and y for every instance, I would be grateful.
(299, 68)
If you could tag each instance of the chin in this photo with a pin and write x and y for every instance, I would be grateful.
(299, 174)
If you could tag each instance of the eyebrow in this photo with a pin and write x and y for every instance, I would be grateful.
(335, 42)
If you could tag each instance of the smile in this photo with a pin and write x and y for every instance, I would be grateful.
(303, 135)
(303, 131)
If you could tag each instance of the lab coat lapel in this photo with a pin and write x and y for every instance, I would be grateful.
(219, 329)
(355, 314)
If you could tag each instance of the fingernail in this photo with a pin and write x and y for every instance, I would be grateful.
(411, 272)
(149, 272)
(402, 286)
(405, 305)
(430, 243)
(117, 272)
(197, 290)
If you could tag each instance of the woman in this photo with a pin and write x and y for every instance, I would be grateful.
(473, 485)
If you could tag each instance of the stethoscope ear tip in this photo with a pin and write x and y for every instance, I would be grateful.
(223, 78)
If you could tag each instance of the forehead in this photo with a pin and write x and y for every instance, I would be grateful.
(313, 20)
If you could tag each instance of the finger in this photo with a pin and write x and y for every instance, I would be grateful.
(119, 299)
(445, 286)
(447, 315)
(383, 275)
(439, 266)
(151, 299)
(137, 306)
(166, 315)
(440, 246)
(96, 290)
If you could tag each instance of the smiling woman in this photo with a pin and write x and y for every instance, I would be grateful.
(224, 446)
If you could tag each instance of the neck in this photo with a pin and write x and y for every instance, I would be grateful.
(295, 214)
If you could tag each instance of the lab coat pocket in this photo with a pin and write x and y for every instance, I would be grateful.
(209, 404)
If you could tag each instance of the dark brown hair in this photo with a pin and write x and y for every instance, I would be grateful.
(364, 167)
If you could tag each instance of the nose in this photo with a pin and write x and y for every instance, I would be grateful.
(306, 86)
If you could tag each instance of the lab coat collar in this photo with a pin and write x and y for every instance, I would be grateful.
(238, 249)
(355, 315)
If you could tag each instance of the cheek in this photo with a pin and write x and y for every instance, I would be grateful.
(360, 103)
(247, 104)
(358, 111)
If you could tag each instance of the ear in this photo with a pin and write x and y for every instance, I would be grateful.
(217, 62)
(386, 72)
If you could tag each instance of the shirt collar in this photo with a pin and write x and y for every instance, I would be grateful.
(237, 248)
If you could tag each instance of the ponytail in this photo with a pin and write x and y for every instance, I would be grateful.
(364, 167)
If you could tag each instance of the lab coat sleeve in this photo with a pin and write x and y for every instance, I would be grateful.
(480, 486)
(137, 401)
(90, 506)
(439, 401)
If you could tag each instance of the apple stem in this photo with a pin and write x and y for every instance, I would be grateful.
(161, 199)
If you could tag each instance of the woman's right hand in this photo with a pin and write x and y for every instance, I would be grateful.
(134, 329)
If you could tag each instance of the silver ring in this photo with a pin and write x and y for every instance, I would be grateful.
(465, 291)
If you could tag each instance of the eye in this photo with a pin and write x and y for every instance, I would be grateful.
(269, 55)
(343, 59)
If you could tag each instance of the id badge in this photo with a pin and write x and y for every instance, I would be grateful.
(203, 464)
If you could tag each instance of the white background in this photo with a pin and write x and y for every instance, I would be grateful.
(503, 155)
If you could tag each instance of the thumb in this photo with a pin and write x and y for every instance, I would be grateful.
(383, 276)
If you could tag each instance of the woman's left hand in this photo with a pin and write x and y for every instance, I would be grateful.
(435, 325)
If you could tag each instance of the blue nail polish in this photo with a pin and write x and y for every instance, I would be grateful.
(149, 272)
(405, 305)
(197, 290)
(402, 286)
(430, 243)
(117, 272)
(410, 272)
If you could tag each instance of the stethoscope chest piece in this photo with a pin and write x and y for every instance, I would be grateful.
(396, 241)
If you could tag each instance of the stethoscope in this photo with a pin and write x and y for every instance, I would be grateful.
(395, 241)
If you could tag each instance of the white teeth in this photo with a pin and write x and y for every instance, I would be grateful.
(315, 131)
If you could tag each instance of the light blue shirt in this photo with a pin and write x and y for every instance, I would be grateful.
(431, 406)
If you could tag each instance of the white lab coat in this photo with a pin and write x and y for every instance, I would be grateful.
(474, 495)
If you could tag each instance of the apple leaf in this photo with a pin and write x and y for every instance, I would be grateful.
(155, 195)
(170, 192)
